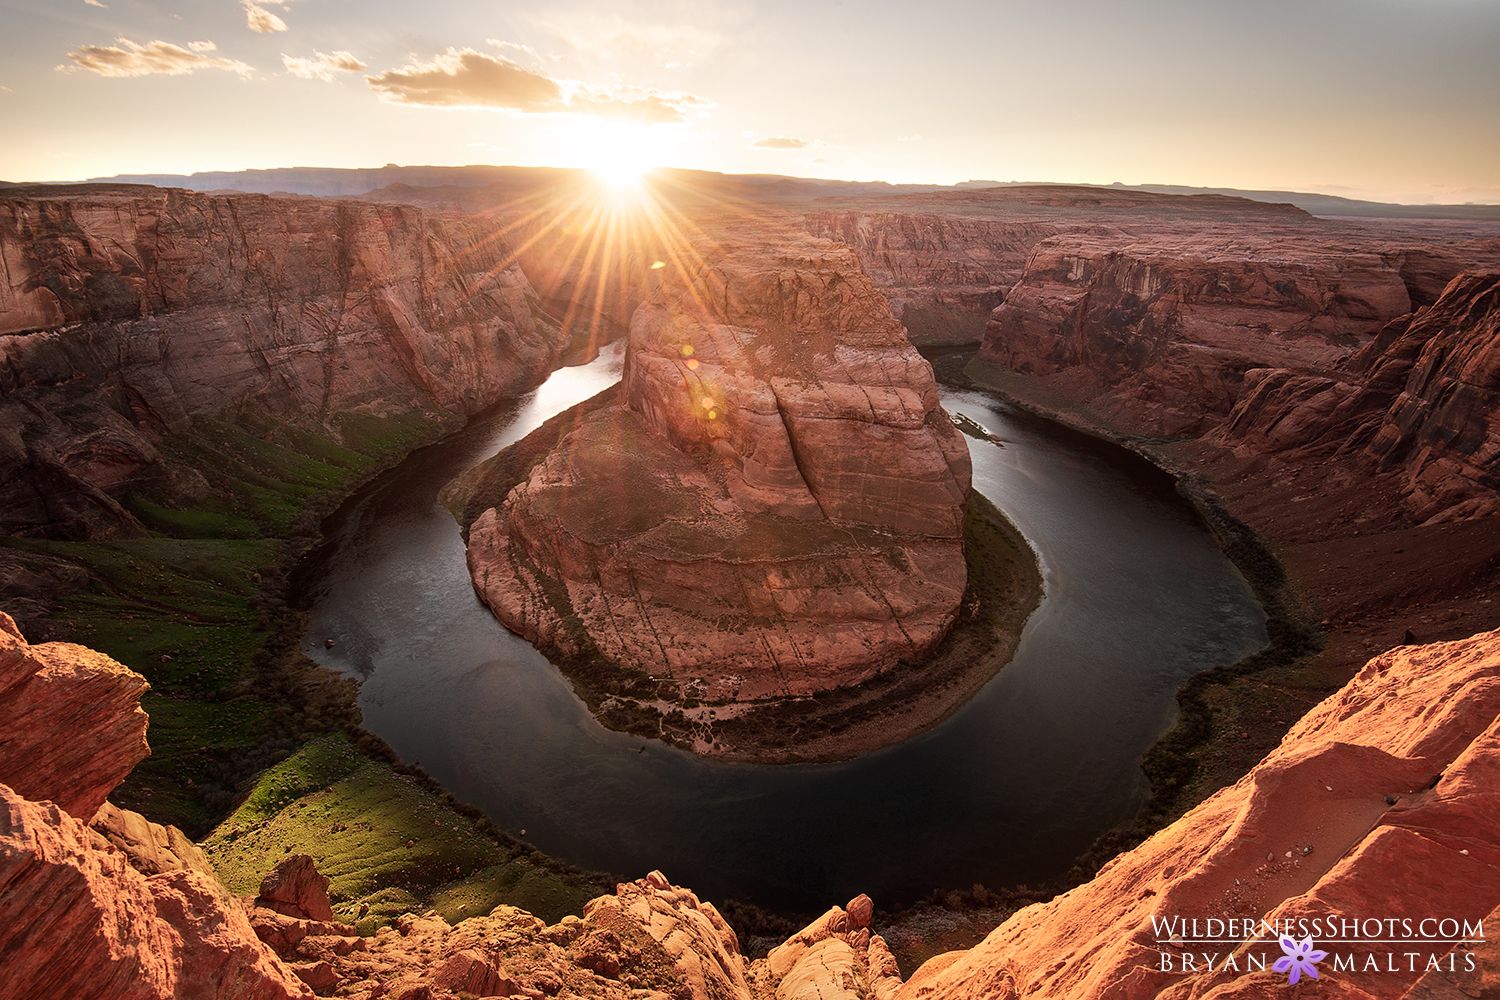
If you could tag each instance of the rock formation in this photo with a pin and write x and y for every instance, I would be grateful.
(774, 506)
(943, 274)
(296, 889)
(1168, 326)
(1419, 399)
(946, 260)
(128, 909)
(72, 723)
(1379, 804)
(651, 939)
(77, 920)
(128, 310)
(151, 848)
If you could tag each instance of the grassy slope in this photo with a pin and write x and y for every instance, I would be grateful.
(388, 841)
(199, 609)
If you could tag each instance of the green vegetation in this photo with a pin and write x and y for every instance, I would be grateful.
(389, 842)
(243, 725)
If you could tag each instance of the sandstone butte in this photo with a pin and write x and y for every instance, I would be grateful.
(773, 506)
(1381, 803)
(128, 310)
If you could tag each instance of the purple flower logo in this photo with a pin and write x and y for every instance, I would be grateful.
(1299, 958)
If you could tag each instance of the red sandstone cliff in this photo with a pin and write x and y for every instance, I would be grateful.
(125, 311)
(1418, 400)
(1166, 327)
(943, 274)
(776, 505)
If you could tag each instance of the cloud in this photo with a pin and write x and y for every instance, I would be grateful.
(780, 142)
(260, 19)
(908, 138)
(497, 43)
(96, 3)
(153, 57)
(322, 66)
(469, 79)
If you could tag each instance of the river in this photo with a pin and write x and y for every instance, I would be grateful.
(1010, 789)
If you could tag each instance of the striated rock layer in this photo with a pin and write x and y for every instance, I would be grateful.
(127, 909)
(774, 506)
(1170, 324)
(1419, 399)
(1380, 804)
(126, 310)
(943, 274)
(71, 725)
(78, 921)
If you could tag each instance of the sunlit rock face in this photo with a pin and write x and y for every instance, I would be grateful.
(129, 910)
(126, 310)
(73, 725)
(774, 506)
(1419, 399)
(1379, 804)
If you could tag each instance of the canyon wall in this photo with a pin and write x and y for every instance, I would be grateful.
(1157, 330)
(774, 506)
(943, 274)
(1418, 400)
(1165, 328)
(127, 311)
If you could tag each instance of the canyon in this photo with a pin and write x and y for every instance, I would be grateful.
(1330, 385)
(1390, 779)
(126, 312)
(775, 504)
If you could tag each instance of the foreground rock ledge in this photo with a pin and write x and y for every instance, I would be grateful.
(1380, 804)
(773, 506)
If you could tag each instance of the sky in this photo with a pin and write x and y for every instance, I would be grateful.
(1392, 100)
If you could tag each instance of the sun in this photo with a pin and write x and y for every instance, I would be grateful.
(620, 178)
(620, 154)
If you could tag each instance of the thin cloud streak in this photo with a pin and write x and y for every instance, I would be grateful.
(780, 142)
(153, 57)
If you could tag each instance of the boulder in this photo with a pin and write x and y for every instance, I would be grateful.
(72, 721)
(151, 847)
(295, 888)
